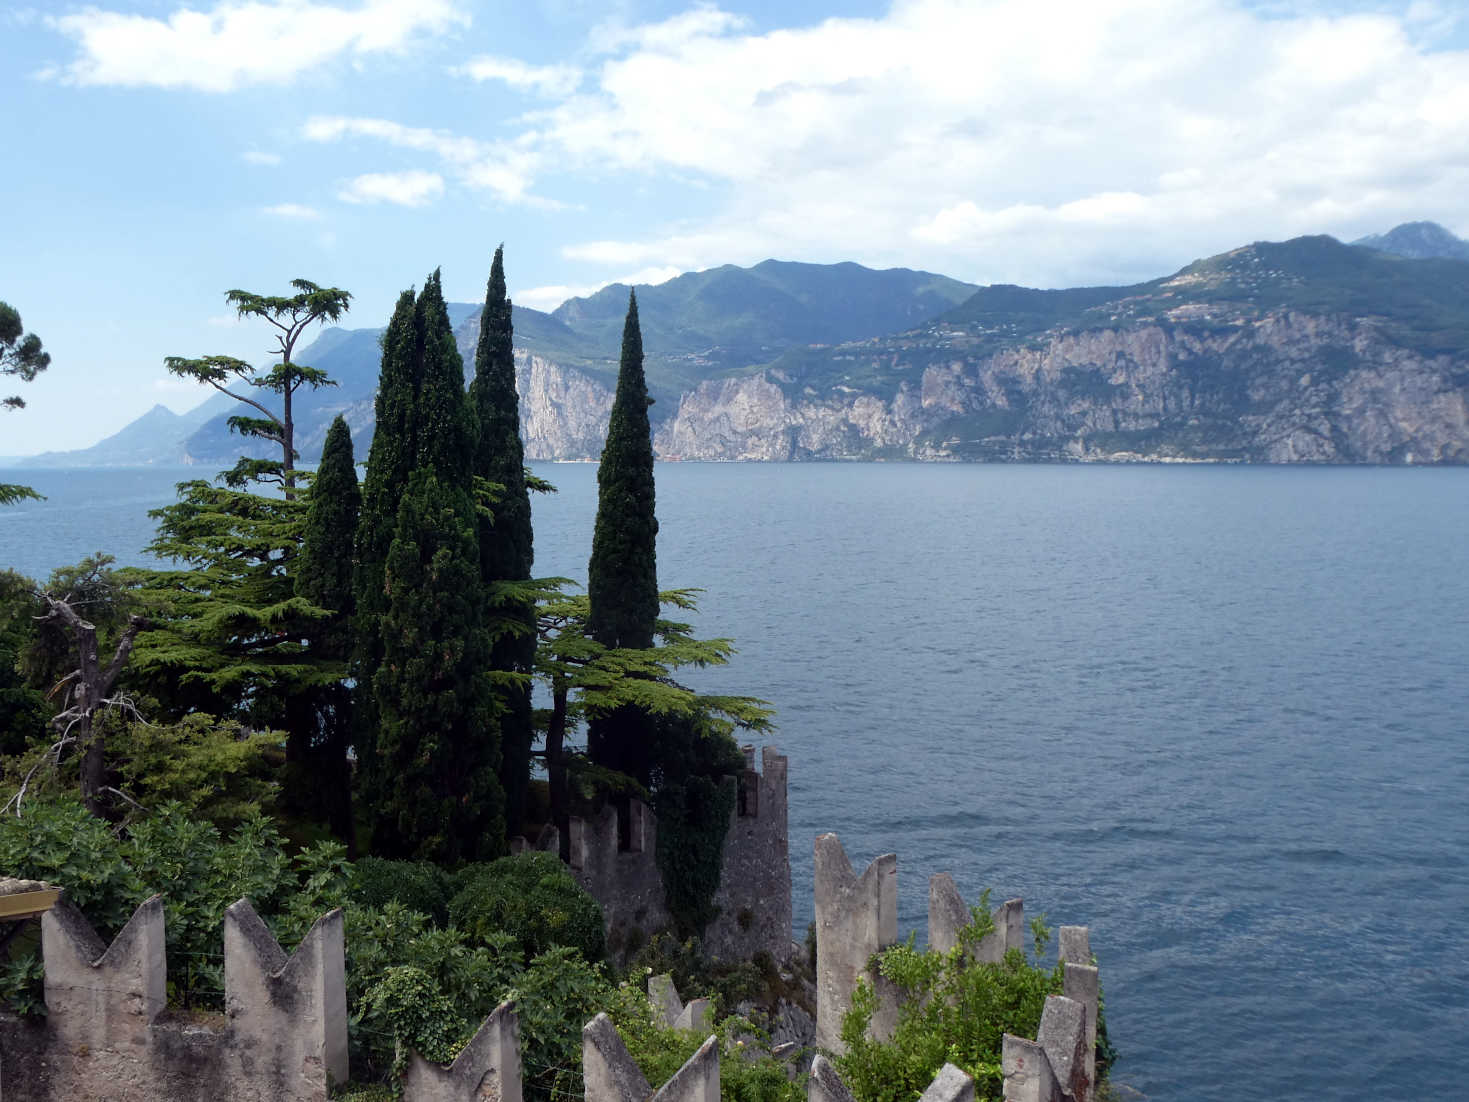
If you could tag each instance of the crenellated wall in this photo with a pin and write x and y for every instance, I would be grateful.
(283, 1036)
(107, 1034)
(857, 916)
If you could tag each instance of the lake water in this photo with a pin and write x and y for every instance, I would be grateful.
(1216, 713)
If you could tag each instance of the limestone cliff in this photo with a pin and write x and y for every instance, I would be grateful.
(563, 411)
(1283, 387)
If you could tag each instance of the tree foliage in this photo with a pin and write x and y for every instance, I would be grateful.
(436, 734)
(433, 756)
(23, 711)
(229, 631)
(21, 353)
(533, 898)
(320, 718)
(622, 574)
(506, 542)
(290, 316)
(390, 461)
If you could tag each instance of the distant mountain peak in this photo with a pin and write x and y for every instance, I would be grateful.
(1418, 241)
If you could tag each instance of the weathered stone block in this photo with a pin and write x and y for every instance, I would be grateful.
(855, 917)
(487, 1069)
(610, 1075)
(1062, 1034)
(947, 915)
(1075, 945)
(670, 1010)
(289, 1012)
(104, 997)
(825, 1085)
(1027, 1071)
(951, 1084)
(1082, 983)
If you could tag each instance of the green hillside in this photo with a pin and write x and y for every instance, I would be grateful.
(1420, 304)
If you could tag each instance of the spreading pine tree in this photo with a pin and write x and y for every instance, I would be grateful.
(622, 575)
(505, 541)
(437, 749)
(389, 463)
(322, 732)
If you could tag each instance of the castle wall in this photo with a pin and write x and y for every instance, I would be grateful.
(616, 862)
(107, 1034)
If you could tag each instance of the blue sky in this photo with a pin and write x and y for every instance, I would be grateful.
(159, 152)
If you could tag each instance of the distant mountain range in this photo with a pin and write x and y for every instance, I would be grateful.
(1305, 350)
(1418, 241)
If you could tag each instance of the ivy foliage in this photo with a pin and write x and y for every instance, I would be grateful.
(694, 798)
(953, 1010)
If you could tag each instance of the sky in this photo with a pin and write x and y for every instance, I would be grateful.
(158, 153)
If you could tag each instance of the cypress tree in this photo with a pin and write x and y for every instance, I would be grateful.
(389, 463)
(445, 428)
(436, 740)
(324, 568)
(505, 539)
(436, 727)
(324, 577)
(622, 575)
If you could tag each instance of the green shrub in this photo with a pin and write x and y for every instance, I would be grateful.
(419, 885)
(659, 1051)
(534, 899)
(555, 997)
(953, 1010)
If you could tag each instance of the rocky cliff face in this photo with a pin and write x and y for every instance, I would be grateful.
(563, 412)
(1287, 387)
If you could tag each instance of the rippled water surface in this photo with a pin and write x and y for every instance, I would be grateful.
(1217, 714)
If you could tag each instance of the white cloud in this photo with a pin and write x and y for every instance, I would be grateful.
(549, 297)
(256, 157)
(506, 169)
(1009, 140)
(241, 42)
(546, 80)
(292, 210)
(407, 189)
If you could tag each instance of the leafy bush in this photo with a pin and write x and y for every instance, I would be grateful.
(533, 898)
(746, 1074)
(170, 853)
(953, 1010)
(216, 769)
(555, 997)
(471, 979)
(418, 885)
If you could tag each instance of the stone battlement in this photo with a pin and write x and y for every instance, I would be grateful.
(107, 1034)
(283, 1035)
(857, 916)
(614, 858)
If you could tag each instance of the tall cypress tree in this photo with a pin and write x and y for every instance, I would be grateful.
(390, 461)
(505, 540)
(437, 740)
(622, 575)
(322, 727)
